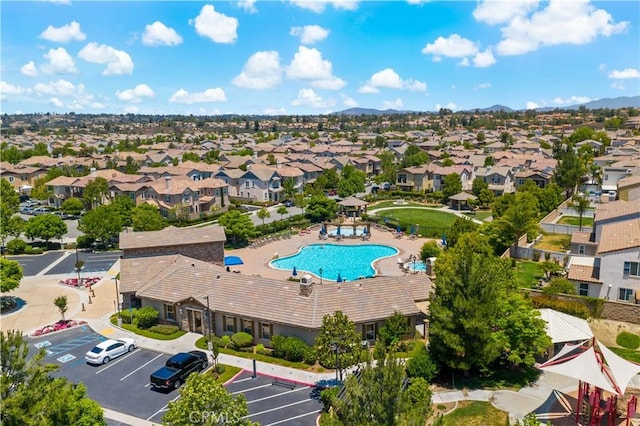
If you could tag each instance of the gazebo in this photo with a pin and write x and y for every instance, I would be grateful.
(594, 365)
(460, 201)
(353, 207)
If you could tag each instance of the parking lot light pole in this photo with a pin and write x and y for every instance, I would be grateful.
(117, 300)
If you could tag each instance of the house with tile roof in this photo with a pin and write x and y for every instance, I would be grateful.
(191, 197)
(20, 176)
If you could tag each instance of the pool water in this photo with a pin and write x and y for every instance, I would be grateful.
(350, 262)
(417, 266)
(346, 232)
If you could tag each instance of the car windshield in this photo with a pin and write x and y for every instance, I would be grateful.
(96, 350)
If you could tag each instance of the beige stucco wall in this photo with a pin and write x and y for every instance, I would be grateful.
(209, 252)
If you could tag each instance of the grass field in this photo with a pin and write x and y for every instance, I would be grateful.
(431, 223)
(554, 242)
(628, 354)
(480, 214)
(575, 220)
(475, 413)
(528, 273)
(391, 203)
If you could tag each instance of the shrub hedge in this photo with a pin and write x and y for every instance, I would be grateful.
(164, 329)
(242, 340)
(16, 246)
(628, 340)
(146, 317)
(571, 307)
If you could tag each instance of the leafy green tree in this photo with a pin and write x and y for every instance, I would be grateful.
(464, 309)
(549, 198)
(9, 198)
(95, 192)
(559, 285)
(321, 208)
(581, 205)
(45, 227)
(72, 206)
(147, 217)
(61, 304)
(452, 185)
(40, 149)
(388, 167)
(338, 333)
(460, 226)
(132, 166)
(420, 364)
(394, 328)
(101, 224)
(289, 188)
(32, 397)
(16, 225)
(332, 178)
(429, 249)
(10, 275)
(205, 401)
(122, 206)
(237, 226)
(478, 185)
(531, 420)
(300, 201)
(190, 156)
(569, 170)
(521, 218)
(486, 197)
(263, 214)
(414, 156)
(282, 210)
(351, 181)
(550, 267)
(501, 204)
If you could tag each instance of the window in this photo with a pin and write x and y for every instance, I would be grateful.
(625, 294)
(229, 324)
(247, 326)
(266, 330)
(167, 198)
(581, 249)
(10, 178)
(370, 331)
(584, 289)
(132, 195)
(169, 312)
(631, 269)
(246, 184)
(606, 177)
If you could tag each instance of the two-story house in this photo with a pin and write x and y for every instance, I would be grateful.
(414, 179)
(182, 195)
(439, 173)
(499, 179)
(260, 183)
(22, 177)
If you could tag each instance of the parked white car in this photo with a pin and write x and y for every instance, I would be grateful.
(105, 351)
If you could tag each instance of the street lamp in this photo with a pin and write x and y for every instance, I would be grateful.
(320, 270)
(334, 347)
(117, 297)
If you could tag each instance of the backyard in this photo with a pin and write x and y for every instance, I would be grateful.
(528, 273)
(575, 220)
(554, 242)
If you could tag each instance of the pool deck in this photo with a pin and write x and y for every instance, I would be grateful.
(256, 259)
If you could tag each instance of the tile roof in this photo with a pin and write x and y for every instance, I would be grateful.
(273, 300)
(619, 236)
(616, 209)
(583, 273)
(581, 238)
(171, 236)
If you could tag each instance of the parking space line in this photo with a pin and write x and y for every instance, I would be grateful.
(162, 409)
(293, 418)
(141, 367)
(244, 380)
(277, 395)
(115, 362)
(277, 408)
(250, 389)
(73, 344)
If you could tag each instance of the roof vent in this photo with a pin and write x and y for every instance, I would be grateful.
(218, 276)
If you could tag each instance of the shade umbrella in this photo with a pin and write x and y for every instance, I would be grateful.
(339, 279)
(338, 231)
(294, 273)
(413, 230)
(399, 229)
(444, 239)
(232, 261)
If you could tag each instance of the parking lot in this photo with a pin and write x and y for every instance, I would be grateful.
(121, 385)
(98, 262)
(277, 402)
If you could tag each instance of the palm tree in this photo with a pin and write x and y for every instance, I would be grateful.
(61, 303)
(581, 205)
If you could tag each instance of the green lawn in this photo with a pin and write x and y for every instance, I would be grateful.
(149, 334)
(229, 372)
(528, 273)
(431, 223)
(391, 203)
(628, 354)
(575, 220)
(476, 413)
(554, 242)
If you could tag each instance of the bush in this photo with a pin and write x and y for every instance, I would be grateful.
(220, 369)
(421, 365)
(536, 256)
(127, 315)
(327, 396)
(84, 241)
(242, 340)
(310, 356)
(146, 317)
(16, 246)
(278, 343)
(559, 286)
(225, 341)
(167, 330)
(571, 307)
(291, 348)
(628, 340)
(261, 350)
(33, 250)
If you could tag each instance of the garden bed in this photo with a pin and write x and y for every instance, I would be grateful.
(59, 326)
(84, 282)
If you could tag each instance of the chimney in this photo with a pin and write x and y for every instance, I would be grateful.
(167, 182)
(306, 286)
(92, 171)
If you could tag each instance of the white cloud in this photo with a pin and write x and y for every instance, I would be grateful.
(9, 89)
(497, 12)
(532, 105)
(275, 111)
(64, 2)
(64, 33)
(453, 46)
(625, 74)
(309, 98)
(571, 100)
(209, 95)
(117, 61)
(318, 6)
(450, 106)
(309, 34)
(158, 34)
(560, 22)
(131, 109)
(392, 104)
(261, 71)
(56, 102)
(331, 83)
(60, 62)
(248, 6)
(348, 102)
(464, 62)
(136, 94)
(29, 69)
(219, 27)
(484, 59)
(418, 2)
(308, 64)
(618, 85)
(482, 86)
(389, 79)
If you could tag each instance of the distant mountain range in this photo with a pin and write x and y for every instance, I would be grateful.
(612, 103)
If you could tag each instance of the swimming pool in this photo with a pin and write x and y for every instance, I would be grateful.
(348, 261)
(346, 232)
(417, 266)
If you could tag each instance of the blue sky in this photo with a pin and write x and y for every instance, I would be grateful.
(313, 56)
